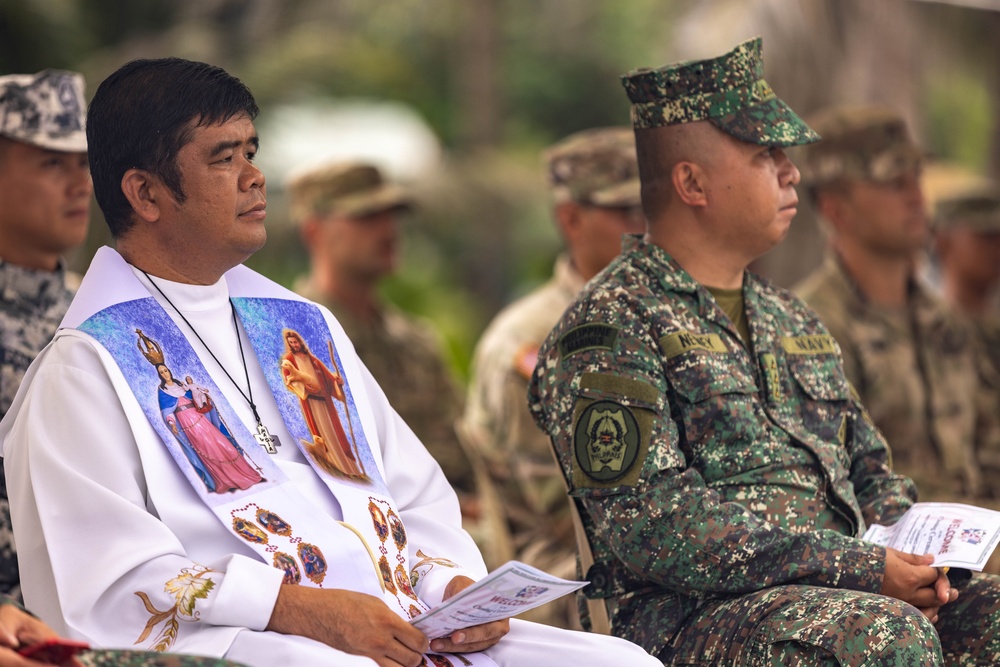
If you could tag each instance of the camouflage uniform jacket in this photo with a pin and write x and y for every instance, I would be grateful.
(919, 372)
(516, 453)
(704, 469)
(32, 303)
(405, 357)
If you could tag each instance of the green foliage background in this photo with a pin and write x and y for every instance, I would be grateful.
(482, 234)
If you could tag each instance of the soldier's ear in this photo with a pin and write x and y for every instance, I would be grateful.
(688, 180)
(567, 215)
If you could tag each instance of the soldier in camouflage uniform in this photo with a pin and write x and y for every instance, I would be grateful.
(595, 186)
(349, 217)
(966, 231)
(914, 362)
(45, 193)
(723, 470)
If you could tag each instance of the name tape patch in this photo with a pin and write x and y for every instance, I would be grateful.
(819, 344)
(680, 342)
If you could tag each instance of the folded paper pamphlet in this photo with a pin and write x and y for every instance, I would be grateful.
(958, 535)
(511, 589)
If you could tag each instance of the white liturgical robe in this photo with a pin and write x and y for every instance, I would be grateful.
(119, 547)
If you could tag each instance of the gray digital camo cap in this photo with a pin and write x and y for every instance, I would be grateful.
(728, 91)
(349, 189)
(46, 109)
(596, 166)
(865, 143)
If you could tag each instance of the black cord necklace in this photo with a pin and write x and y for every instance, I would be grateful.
(262, 436)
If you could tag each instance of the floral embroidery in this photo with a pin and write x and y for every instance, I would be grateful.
(429, 562)
(187, 588)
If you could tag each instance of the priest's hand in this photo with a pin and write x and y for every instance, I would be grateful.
(474, 638)
(351, 622)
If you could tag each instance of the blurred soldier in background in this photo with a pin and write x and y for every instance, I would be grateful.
(349, 217)
(45, 193)
(966, 231)
(914, 362)
(595, 187)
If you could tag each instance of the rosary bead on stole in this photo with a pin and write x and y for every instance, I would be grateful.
(309, 555)
(395, 578)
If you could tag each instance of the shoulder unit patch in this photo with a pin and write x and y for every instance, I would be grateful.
(587, 337)
(606, 441)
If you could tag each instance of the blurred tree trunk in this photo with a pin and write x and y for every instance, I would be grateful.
(478, 75)
(993, 19)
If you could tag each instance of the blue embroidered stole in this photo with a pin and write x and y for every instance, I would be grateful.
(232, 474)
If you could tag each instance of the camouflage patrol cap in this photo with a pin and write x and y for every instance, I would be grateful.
(729, 91)
(961, 199)
(348, 189)
(866, 143)
(596, 166)
(46, 109)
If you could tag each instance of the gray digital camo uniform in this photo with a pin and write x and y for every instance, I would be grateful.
(722, 490)
(32, 303)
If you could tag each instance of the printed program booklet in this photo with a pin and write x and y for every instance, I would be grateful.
(509, 590)
(958, 535)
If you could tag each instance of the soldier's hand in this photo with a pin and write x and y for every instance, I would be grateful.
(474, 638)
(946, 593)
(911, 578)
(17, 629)
(351, 622)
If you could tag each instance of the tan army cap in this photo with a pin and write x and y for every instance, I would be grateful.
(349, 189)
(596, 166)
(958, 198)
(865, 143)
(46, 109)
(728, 91)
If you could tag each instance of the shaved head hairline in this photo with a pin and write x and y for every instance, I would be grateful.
(660, 149)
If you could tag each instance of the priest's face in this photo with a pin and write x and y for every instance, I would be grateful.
(220, 221)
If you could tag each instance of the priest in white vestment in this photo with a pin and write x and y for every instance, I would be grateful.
(123, 540)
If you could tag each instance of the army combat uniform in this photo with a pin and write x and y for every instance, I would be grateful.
(724, 487)
(917, 370)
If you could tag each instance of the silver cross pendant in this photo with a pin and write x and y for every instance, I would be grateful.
(265, 439)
